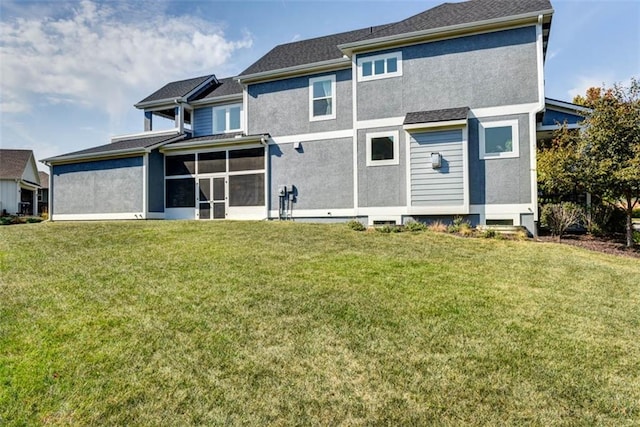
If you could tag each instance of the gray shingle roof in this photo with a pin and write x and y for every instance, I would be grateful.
(436, 115)
(227, 86)
(13, 163)
(447, 14)
(307, 51)
(126, 144)
(44, 179)
(176, 89)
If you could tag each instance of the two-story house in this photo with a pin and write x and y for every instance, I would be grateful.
(430, 117)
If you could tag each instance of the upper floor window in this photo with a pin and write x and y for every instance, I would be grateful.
(322, 98)
(227, 118)
(382, 148)
(499, 139)
(380, 66)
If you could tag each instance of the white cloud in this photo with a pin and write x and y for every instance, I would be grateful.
(104, 55)
(582, 83)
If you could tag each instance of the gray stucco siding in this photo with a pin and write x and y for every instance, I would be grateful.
(381, 186)
(155, 181)
(478, 71)
(320, 171)
(106, 186)
(281, 107)
(500, 181)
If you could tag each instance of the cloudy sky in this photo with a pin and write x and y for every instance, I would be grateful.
(70, 71)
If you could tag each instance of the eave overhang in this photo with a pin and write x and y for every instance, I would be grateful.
(444, 32)
(216, 142)
(168, 102)
(281, 73)
(216, 100)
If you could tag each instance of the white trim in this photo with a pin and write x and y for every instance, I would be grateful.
(227, 118)
(438, 210)
(379, 123)
(407, 155)
(396, 148)
(303, 69)
(317, 213)
(97, 217)
(466, 185)
(371, 219)
(145, 184)
(504, 110)
(515, 139)
(304, 137)
(216, 100)
(245, 109)
(545, 128)
(354, 131)
(567, 107)
(431, 125)
(385, 74)
(500, 209)
(332, 97)
(145, 134)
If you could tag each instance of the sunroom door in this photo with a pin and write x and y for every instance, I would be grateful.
(212, 198)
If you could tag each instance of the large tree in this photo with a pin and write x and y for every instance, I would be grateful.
(603, 158)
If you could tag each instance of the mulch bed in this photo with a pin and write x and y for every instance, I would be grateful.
(614, 245)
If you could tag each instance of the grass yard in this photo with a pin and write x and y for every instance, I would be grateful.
(266, 323)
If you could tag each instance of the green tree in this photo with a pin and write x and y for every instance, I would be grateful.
(603, 158)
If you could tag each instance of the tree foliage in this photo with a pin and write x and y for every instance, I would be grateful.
(603, 158)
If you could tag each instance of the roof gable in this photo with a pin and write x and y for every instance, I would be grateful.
(177, 89)
(18, 164)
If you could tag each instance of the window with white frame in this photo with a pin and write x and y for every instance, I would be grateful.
(383, 148)
(499, 139)
(380, 66)
(227, 118)
(322, 98)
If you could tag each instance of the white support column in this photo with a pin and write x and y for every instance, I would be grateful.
(148, 121)
(179, 114)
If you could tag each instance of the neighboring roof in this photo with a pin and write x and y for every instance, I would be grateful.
(13, 163)
(226, 87)
(436, 115)
(44, 179)
(307, 51)
(448, 14)
(326, 48)
(176, 89)
(127, 145)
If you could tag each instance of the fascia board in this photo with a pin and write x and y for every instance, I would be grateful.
(459, 29)
(146, 134)
(441, 124)
(126, 152)
(216, 100)
(188, 144)
(316, 67)
(200, 87)
(166, 102)
(568, 106)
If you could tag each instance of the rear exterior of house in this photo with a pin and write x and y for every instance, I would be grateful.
(435, 116)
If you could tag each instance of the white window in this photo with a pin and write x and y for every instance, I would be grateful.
(499, 139)
(382, 148)
(322, 98)
(227, 118)
(380, 66)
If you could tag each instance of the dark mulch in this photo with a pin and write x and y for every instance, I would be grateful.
(614, 245)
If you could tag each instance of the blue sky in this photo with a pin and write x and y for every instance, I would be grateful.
(70, 71)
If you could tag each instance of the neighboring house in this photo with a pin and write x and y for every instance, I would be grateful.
(19, 182)
(434, 116)
(43, 193)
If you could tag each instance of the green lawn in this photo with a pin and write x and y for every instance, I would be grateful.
(266, 323)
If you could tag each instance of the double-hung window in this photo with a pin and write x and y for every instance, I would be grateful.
(380, 66)
(499, 139)
(322, 98)
(227, 118)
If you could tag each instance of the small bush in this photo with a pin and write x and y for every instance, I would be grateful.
(465, 229)
(389, 229)
(437, 227)
(560, 216)
(460, 226)
(33, 219)
(521, 235)
(356, 225)
(636, 237)
(489, 234)
(415, 226)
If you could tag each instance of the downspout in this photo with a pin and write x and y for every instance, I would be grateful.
(534, 137)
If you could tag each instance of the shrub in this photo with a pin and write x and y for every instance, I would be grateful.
(521, 234)
(33, 219)
(415, 226)
(636, 237)
(560, 216)
(356, 225)
(460, 226)
(465, 229)
(389, 229)
(437, 227)
(489, 234)
(605, 218)
(635, 213)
